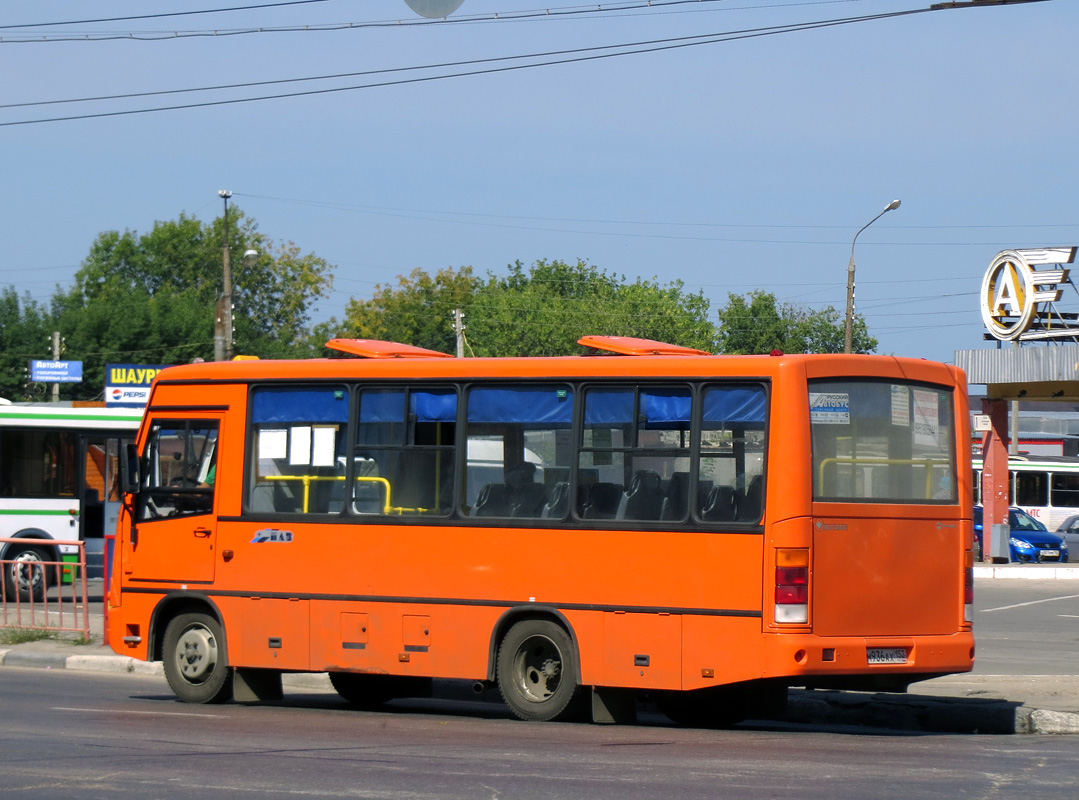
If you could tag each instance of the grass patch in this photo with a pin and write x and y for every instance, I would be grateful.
(24, 635)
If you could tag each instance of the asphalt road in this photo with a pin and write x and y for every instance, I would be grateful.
(69, 734)
(1026, 627)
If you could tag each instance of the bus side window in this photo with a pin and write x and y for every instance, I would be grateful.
(403, 455)
(733, 446)
(1032, 488)
(179, 455)
(299, 449)
(519, 451)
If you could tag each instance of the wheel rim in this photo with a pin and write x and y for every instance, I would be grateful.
(27, 571)
(537, 669)
(196, 654)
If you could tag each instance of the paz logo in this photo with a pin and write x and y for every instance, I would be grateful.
(271, 535)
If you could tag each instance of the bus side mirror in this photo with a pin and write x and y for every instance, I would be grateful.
(129, 469)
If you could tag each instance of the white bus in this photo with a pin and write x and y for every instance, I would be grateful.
(1046, 487)
(58, 485)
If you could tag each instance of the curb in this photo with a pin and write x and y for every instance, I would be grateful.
(914, 712)
(1030, 572)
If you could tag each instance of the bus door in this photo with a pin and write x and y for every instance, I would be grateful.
(99, 499)
(174, 529)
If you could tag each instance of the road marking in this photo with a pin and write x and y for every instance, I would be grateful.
(152, 713)
(1030, 603)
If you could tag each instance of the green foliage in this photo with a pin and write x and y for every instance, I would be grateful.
(151, 298)
(26, 329)
(545, 310)
(417, 311)
(756, 323)
(542, 310)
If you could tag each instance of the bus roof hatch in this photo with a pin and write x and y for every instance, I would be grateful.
(630, 346)
(375, 348)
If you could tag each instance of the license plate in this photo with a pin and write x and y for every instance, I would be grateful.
(886, 655)
(1050, 554)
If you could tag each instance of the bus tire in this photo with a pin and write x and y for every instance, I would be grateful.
(366, 691)
(25, 577)
(196, 659)
(537, 671)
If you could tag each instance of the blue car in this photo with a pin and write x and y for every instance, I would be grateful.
(1029, 542)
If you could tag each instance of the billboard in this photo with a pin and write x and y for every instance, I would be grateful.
(56, 371)
(128, 385)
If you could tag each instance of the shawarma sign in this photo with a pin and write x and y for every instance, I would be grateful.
(1020, 291)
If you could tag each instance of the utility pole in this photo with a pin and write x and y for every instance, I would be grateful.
(223, 340)
(459, 330)
(56, 357)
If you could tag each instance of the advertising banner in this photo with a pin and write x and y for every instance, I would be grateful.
(56, 371)
(128, 385)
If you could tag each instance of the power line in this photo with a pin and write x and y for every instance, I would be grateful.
(555, 58)
(650, 7)
(162, 15)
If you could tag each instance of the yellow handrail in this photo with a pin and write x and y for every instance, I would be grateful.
(387, 507)
(928, 463)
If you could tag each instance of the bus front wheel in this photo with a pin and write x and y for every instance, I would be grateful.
(196, 661)
(537, 671)
(25, 576)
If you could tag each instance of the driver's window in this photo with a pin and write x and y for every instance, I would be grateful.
(179, 469)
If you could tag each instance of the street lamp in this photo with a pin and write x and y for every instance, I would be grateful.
(223, 334)
(848, 333)
(223, 350)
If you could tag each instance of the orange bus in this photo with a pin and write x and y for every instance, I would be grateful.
(642, 519)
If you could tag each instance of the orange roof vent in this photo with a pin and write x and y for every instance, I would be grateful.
(630, 346)
(375, 348)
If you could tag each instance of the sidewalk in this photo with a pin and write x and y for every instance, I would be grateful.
(968, 703)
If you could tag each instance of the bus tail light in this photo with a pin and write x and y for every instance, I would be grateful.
(792, 586)
(968, 586)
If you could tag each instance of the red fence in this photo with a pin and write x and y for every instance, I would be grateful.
(33, 591)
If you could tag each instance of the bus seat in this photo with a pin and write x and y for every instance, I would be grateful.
(528, 500)
(262, 501)
(558, 504)
(677, 497)
(644, 500)
(749, 509)
(493, 501)
(601, 501)
(720, 506)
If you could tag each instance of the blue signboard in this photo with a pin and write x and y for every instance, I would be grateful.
(56, 371)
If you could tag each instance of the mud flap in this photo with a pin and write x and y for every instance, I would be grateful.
(251, 685)
(613, 706)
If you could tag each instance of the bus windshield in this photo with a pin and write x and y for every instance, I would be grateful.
(880, 441)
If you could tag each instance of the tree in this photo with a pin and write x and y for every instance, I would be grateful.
(418, 310)
(151, 298)
(757, 323)
(545, 310)
(26, 328)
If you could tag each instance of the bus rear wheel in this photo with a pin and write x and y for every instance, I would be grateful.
(196, 660)
(537, 671)
(26, 574)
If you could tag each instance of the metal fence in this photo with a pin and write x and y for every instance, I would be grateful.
(41, 594)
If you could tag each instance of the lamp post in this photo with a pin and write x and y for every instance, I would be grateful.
(223, 332)
(849, 330)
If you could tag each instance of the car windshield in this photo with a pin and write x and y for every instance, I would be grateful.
(1020, 520)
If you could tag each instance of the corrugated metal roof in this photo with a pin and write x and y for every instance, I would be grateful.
(1026, 365)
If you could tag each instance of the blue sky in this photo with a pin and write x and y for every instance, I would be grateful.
(743, 164)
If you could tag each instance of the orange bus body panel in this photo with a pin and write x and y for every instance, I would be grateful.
(695, 605)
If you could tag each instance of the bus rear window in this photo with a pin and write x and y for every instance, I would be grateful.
(876, 441)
